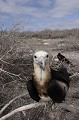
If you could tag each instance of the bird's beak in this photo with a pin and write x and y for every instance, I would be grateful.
(42, 64)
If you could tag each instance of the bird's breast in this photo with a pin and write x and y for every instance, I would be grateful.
(42, 76)
(42, 79)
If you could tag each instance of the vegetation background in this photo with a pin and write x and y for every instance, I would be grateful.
(16, 50)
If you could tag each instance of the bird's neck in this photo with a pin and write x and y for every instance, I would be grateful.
(42, 77)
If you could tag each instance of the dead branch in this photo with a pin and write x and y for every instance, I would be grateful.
(23, 108)
(1, 111)
(75, 74)
(10, 74)
(6, 62)
(7, 52)
(70, 108)
(8, 83)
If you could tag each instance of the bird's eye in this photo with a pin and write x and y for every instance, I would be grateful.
(35, 56)
(47, 56)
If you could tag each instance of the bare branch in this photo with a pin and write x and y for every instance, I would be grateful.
(6, 62)
(7, 52)
(23, 108)
(12, 74)
(8, 83)
(75, 74)
(1, 111)
(70, 108)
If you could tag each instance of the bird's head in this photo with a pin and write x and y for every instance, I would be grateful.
(41, 59)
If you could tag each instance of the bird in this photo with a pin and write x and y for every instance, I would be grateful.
(47, 84)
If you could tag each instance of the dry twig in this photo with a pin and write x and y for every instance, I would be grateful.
(75, 74)
(23, 108)
(7, 52)
(1, 111)
(70, 108)
(10, 74)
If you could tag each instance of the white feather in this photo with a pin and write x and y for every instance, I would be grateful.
(43, 98)
(41, 53)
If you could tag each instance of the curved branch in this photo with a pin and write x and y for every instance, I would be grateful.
(1, 111)
(26, 107)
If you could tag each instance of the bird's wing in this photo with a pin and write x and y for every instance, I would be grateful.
(58, 85)
(63, 58)
(56, 91)
(32, 90)
(61, 75)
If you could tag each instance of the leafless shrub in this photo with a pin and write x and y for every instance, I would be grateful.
(13, 68)
(47, 34)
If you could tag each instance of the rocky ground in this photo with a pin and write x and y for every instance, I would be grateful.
(16, 68)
